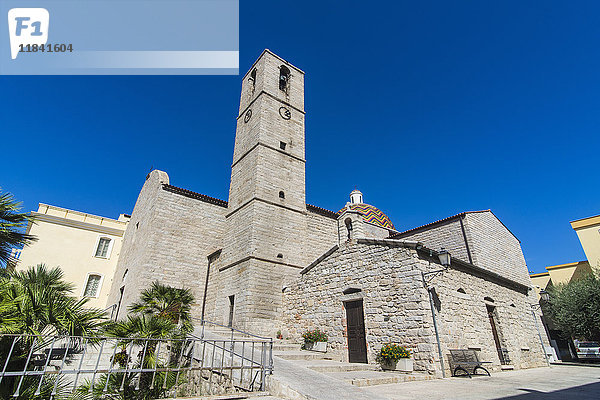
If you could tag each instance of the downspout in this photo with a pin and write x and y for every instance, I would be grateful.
(462, 228)
(435, 327)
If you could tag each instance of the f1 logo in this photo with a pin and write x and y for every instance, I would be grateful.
(27, 26)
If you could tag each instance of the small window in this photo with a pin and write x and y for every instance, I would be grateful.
(92, 286)
(284, 78)
(279, 255)
(281, 195)
(489, 299)
(461, 290)
(252, 77)
(282, 145)
(348, 223)
(102, 249)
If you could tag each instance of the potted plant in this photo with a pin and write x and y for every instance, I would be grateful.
(279, 335)
(393, 357)
(315, 340)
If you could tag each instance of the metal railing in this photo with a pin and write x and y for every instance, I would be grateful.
(55, 365)
(233, 332)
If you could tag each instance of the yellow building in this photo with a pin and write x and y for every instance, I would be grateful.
(557, 274)
(85, 246)
(588, 231)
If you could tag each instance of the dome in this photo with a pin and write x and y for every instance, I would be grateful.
(370, 214)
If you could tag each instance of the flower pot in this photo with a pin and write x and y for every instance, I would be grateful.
(402, 365)
(316, 346)
(405, 365)
(389, 365)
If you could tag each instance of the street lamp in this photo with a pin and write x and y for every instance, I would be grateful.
(444, 257)
(544, 295)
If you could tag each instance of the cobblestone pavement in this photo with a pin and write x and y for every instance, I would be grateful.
(549, 383)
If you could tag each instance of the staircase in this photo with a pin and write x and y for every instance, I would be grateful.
(310, 375)
(301, 374)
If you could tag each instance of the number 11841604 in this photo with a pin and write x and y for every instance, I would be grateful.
(46, 48)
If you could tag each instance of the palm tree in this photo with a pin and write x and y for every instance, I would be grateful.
(172, 304)
(12, 223)
(162, 314)
(138, 339)
(38, 302)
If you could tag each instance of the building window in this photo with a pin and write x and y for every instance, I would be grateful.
(252, 77)
(281, 195)
(348, 223)
(284, 78)
(102, 249)
(282, 145)
(92, 286)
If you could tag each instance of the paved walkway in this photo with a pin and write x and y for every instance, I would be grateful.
(557, 382)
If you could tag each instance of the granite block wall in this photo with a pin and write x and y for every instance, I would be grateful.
(169, 239)
(397, 308)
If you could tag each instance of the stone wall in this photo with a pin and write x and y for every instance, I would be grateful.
(397, 308)
(489, 244)
(322, 233)
(447, 234)
(168, 239)
(495, 247)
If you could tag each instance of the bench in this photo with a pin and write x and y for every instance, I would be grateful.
(466, 360)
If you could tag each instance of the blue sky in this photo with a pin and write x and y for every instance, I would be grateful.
(429, 108)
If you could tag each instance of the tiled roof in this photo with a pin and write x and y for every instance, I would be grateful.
(440, 221)
(372, 215)
(194, 195)
(322, 211)
(223, 203)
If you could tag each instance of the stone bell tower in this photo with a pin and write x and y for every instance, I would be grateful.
(266, 217)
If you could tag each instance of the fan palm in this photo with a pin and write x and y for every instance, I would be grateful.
(138, 338)
(38, 302)
(167, 302)
(12, 223)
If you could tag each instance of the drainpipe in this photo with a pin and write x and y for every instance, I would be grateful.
(535, 319)
(437, 335)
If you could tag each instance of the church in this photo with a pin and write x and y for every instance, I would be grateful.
(266, 261)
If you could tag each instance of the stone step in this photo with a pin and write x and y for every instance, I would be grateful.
(343, 367)
(304, 355)
(234, 396)
(292, 381)
(286, 346)
(373, 378)
(335, 366)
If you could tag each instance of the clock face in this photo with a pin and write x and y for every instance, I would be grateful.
(247, 116)
(285, 113)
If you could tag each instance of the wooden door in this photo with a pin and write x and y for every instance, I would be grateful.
(355, 323)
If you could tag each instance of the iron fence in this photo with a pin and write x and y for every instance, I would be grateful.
(54, 365)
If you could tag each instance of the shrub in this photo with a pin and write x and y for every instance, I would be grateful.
(314, 336)
(392, 352)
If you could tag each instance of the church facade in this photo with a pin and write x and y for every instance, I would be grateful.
(265, 261)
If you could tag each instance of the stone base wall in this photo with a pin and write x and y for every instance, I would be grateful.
(257, 289)
(397, 308)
